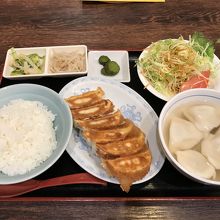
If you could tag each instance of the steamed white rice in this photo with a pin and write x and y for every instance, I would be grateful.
(27, 136)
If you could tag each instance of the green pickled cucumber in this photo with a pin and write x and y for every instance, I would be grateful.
(111, 68)
(103, 71)
(103, 60)
(34, 57)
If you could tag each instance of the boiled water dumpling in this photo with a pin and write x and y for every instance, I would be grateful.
(183, 135)
(3, 145)
(217, 131)
(194, 162)
(204, 117)
(210, 148)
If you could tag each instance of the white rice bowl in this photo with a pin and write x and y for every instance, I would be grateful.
(35, 128)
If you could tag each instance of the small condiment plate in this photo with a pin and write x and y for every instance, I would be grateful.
(48, 53)
(119, 56)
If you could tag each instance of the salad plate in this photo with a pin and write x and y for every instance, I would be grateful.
(214, 82)
(132, 106)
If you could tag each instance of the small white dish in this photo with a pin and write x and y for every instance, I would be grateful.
(132, 106)
(119, 56)
(71, 51)
(48, 53)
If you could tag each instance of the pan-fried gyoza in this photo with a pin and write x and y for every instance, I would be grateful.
(119, 143)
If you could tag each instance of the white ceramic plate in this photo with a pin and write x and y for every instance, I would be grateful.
(119, 56)
(132, 106)
(166, 98)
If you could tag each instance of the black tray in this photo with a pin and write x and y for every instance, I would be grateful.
(168, 182)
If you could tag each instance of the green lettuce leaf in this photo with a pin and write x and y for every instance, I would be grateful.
(204, 46)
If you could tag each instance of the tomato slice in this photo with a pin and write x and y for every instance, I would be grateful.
(200, 81)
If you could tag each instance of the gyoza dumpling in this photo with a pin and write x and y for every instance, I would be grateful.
(205, 117)
(183, 135)
(210, 148)
(196, 163)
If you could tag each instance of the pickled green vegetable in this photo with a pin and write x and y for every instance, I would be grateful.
(23, 64)
(110, 68)
(103, 60)
(16, 72)
(103, 71)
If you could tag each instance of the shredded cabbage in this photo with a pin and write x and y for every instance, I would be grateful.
(167, 64)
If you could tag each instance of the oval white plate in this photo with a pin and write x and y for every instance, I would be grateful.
(151, 89)
(132, 106)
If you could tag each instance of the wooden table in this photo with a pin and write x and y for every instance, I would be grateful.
(129, 26)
